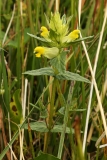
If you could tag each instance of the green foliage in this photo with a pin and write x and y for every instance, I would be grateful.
(71, 76)
(49, 78)
(58, 25)
(16, 110)
(46, 157)
(59, 62)
(41, 126)
(14, 43)
(38, 38)
(42, 71)
(62, 110)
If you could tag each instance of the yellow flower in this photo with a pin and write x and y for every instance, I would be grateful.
(45, 32)
(46, 52)
(72, 36)
(39, 51)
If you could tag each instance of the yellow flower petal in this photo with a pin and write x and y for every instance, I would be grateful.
(74, 35)
(45, 32)
(46, 52)
(71, 37)
(39, 50)
(44, 29)
(38, 55)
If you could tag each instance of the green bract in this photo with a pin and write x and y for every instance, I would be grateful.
(55, 38)
(59, 26)
(58, 34)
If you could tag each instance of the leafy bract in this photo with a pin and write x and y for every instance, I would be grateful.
(58, 25)
(63, 75)
(39, 38)
(76, 41)
(42, 71)
(71, 76)
(59, 62)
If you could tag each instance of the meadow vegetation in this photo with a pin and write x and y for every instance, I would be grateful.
(53, 80)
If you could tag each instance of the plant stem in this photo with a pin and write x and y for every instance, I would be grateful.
(31, 141)
(50, 116)
(65, 120)
(21, 126)
(51, 109)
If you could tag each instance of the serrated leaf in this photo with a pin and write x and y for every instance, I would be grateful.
(71, 76)
(39, 38)
(44, 113)
(62, 110)
(47, 19)
(42, 71)
(59, 128)
(45, 156)
(59, 62)
(53, 35)
(69, 19)
(57, 25)
(37, 126)
(76, 41)
(82, 39)
(41, 126)
(64, 19)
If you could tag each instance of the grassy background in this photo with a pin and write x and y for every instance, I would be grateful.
(16, 56)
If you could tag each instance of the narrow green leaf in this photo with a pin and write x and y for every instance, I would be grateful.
(16, 109)
(41, 39)
(42, 71)
(82, 39)
(64, 19)
(62, 110)
(45, 156)
(71, 76)
(76, 41)
(5, 81)
(69, 19)
(47, 19)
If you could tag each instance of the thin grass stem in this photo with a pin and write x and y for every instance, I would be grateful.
(66, 115)
(92, 84)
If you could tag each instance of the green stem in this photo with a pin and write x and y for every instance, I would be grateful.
(83, 88)
(50, 117)
(51, 112)
(33, 42)
(18, 65)
(61, 143)
(31, 141)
